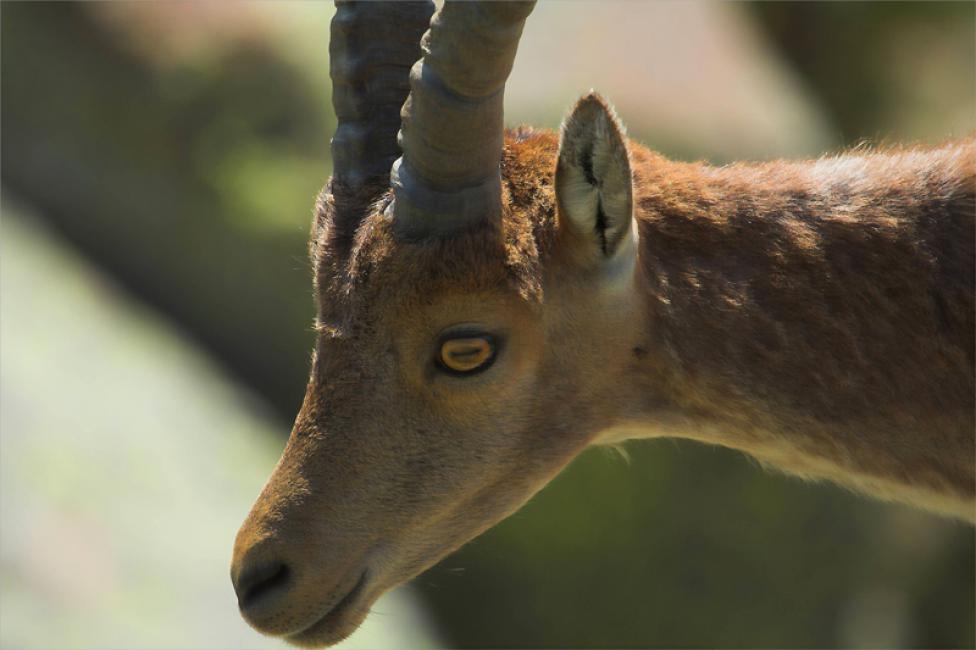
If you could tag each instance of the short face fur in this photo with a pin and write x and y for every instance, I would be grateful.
(396, 459)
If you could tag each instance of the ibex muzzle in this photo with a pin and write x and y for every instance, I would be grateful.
(500, 302)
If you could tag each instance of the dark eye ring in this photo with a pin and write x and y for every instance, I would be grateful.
(466, 354)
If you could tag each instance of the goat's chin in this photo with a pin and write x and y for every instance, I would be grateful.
(335, 627)
(339, 623)
(342, 620)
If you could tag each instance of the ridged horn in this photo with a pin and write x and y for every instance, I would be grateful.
(452, 123)
(373, 46)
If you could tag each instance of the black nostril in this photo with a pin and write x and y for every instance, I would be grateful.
(257, 582)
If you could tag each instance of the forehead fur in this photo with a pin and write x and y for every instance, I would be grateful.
(505, 255)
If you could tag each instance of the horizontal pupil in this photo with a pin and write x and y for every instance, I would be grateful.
(460, 354)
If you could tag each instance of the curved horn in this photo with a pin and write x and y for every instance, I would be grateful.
(453, 130)
(372, 47)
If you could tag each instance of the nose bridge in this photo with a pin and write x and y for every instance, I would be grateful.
(288, 537)
(263, 528)
(288, 549)
(329, 479)
(317, 486)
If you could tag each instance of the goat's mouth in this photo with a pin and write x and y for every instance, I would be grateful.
(338, 622)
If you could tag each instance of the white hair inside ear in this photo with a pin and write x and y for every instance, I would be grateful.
(594, 188)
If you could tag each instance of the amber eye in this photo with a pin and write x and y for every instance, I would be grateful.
(466, 355)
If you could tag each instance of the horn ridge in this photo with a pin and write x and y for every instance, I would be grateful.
(452, 131)
(372, 48)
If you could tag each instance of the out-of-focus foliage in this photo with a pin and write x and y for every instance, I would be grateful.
(898, 71)
(687, 546)
(192, 182)
(188, 173)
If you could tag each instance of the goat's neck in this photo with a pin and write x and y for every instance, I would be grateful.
(818, 316)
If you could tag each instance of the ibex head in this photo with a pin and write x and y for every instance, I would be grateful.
(469, 330)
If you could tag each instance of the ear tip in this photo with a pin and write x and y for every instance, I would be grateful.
(592, 109)
(592, 100)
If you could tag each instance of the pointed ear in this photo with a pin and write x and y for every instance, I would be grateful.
(594, 190)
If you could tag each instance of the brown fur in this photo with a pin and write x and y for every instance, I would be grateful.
(817, 315)
(827, 308)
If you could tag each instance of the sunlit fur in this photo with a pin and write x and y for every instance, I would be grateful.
(817, 315)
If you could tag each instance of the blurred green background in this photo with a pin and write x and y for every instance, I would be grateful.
(159, 162)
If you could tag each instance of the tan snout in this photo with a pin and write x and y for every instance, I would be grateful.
(294, 579)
